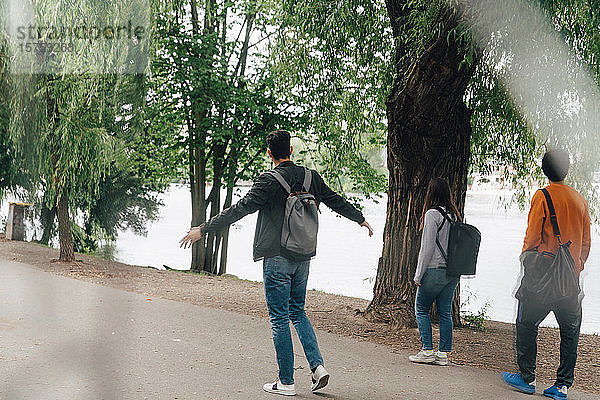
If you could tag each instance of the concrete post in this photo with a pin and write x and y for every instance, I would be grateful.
(15, 226)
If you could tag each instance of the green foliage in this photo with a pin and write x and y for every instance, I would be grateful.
(6, 159)
(501, 136)
(332, 60)
(110, 161)
(474, 320)
(125, 201)
(545, 65)
(211, 76)
(6, 149)
(338, 57)
(144, 164)
(78, 37)
(215, 106)
(88, 134)
(322, 69)
(83, 242)
(57, 127)
(419, 22)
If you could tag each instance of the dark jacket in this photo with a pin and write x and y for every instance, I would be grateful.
(269, 198)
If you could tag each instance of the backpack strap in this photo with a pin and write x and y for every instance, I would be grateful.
(437, 235)
(444, 214)
(281, 181)
(553, 219)
(307, 179)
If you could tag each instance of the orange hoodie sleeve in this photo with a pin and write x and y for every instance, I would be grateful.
(535, 222)
(586, 241)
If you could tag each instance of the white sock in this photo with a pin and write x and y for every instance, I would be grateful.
(442, 354)
(532, 383)
(428, 352)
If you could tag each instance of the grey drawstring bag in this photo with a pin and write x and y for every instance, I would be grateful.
(549, 278)
(301, 220)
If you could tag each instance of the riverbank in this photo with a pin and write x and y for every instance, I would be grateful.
(492, 349)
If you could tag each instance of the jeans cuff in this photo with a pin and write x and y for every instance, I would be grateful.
(528, 381)
(285, 383)
(315, 365)
(560, 384)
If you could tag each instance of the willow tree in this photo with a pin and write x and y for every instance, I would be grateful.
(210, 74)
(448, 102)
(331, 59)
(351, 46)
(58, 94)
(430, 122)
(429, 133)
(143, 164)
(6, 150)
(57, 130)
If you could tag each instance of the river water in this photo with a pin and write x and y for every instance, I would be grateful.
(346, 261)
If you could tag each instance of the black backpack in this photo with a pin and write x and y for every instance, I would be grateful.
(463, 246)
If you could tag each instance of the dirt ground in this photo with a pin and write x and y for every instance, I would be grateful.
(492, 349)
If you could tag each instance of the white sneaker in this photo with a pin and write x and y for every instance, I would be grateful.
(563, 389)
(279, 388)
(423, 358)
(320, 378)
(441, 358)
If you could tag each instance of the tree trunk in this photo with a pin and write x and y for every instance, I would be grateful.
(214, 239)
(65, 236)
(225, 243)
(197, 144)
(198, 189)
(47, 219)
(205, 253)
(429, 134)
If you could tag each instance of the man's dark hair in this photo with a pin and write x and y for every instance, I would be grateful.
(279, 144)
(555, 165)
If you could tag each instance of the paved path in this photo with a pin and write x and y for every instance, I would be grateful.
(64, 339)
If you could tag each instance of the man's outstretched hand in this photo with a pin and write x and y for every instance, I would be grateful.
(192, 236)
(366, 225)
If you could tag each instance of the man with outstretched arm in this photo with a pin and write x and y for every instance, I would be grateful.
(284, 273)
(573, 226)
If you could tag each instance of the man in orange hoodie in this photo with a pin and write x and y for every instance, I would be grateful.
(573, 218)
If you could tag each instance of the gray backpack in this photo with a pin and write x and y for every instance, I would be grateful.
(301, 220)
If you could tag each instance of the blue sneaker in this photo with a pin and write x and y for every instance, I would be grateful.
(556, 393)
(516, 381)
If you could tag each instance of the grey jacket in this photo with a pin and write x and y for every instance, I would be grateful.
(268, 198)
(430, 255)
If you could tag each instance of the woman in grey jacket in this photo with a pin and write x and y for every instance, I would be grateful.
(430, 276)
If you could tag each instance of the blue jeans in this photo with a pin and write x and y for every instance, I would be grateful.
(285, 291)
(435, 286)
